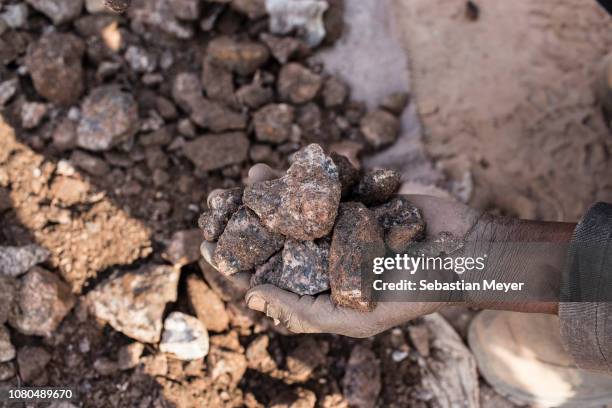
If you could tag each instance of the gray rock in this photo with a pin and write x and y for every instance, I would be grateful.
(186, 9)
(109, 116)
(380, 128)
(356, 241)
(140, 60)
(297, 84)
(245, 243)
(15, 15)
(8, 288)
(88, 163)
(129, 355)
(285, 49)
(59, 11)
(156, 14)
(303, 204)
(32, 114)
(254, 95)
(222, 207)
(7, 371)
(377, 187)
(304, 17)
(241, 57)
(274, 123)
(395, 102)
(402, 223)
(301, 268)
(253, 9)
(134, 302)
(335, 92)
(361, 384)
(7, 350)
(184, 337)
(15, 261)
(212, 152)
(218, 83)
(184, 247)
(55, 64)
(8, 89)
(95, 6)
(42, 302)
(32, 362)
(64, 135)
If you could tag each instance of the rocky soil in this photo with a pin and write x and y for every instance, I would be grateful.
(113, 130)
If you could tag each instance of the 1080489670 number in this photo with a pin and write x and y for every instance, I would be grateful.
(36, 394)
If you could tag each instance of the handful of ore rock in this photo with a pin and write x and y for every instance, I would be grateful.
(315, 229)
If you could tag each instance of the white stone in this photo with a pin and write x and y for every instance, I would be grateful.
(184, 337)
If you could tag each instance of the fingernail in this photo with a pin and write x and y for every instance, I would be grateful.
(256, 303)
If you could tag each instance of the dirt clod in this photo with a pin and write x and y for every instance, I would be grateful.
(207, 305)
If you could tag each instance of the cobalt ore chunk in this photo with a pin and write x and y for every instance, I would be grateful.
(301, 268)
(348, 174)
(303, 204)
(245, 243)
(377, 187)
(356, 241)
(402, 222)
(222, 206)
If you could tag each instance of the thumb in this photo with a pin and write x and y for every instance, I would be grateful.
(284, 308)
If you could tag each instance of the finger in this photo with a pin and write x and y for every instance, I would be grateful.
(207, 249)
(283, 307)
(262, 172)
(241, 280)
(212, 196)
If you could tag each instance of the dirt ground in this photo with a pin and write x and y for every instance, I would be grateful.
(507, 108)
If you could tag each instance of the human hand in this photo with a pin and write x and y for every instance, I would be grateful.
(318, 314)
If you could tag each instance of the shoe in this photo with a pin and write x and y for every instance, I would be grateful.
(521, 356)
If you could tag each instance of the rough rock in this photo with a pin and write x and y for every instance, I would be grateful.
(241, 57)
(335, 92)
(207, 305)
(212, 152)
(154, 14)
(284, 49)
(222, 206)
(187, 91)
(118, 6)
(227, 367)
(402, 223)
(7, 371)
(377, 187)
(15, 15)
(59, 11)
(109, 116)
(64, 135)
(186, 9)
(88, 163)
(356, 241)
(253, 9)
(55, 65)
(303, 204)
(348, 174)
(7, 350)
(184, 247)
(184, 337)
(258, 357)
(134, 302)
(297, 84)
(274, 123)
(254, 95)
(15, 261)
(8, 89)
(380, 128)
(105, 366)
(140, 60)
(8, 288)
(304, 17)
(294, 398)
(245, 243)
(129, 355)
(218, 83)
(395, 102)
(32, 114)
(41, 303)
(32, 362)
(301, 268)
(216, 116)
(361, 383)
(305, 358)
